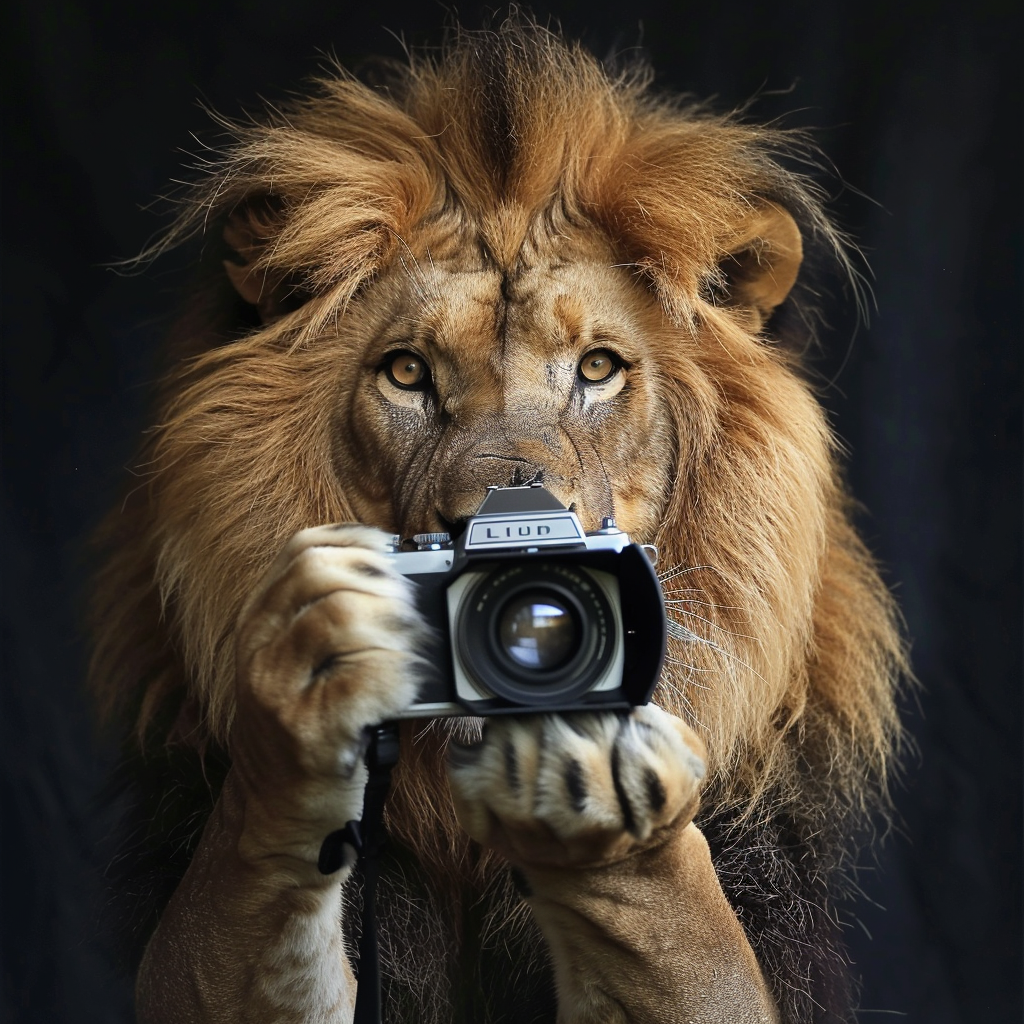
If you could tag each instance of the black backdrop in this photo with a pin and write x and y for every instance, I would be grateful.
(917, 106)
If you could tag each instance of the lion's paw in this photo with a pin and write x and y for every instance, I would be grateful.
(325, 647)
(577, 789)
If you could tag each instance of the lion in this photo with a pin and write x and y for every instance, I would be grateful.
(503, 263)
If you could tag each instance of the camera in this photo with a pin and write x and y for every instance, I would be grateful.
(530, 614)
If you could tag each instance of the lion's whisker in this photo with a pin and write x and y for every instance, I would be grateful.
(718, 626)
(687, 636)
(412, 277)
(680, 570)
(682, 604)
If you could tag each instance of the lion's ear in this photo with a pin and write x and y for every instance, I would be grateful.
(762, 261)
(249, 229)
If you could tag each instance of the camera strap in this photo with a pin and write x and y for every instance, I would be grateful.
(367, 838)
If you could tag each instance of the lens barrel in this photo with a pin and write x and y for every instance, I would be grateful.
(536, 633)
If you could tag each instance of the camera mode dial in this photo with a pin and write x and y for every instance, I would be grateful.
(431, 541)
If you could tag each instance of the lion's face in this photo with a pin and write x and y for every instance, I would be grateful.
(461, 283)
(459, 375)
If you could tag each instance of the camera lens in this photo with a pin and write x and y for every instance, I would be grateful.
(535, 633)
(537, 630)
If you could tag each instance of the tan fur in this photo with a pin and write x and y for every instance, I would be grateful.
(505, 219)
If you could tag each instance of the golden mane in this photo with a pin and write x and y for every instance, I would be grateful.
(786, 651)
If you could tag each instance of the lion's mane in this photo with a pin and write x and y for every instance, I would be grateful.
(785, 651)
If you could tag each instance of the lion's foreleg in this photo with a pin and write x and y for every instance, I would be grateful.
(324, 649)
(596, 811)
(247, 938)
(649, 939)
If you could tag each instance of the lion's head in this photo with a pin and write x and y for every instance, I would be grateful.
(510, 265)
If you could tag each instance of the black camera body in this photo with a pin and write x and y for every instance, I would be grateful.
(529, 614)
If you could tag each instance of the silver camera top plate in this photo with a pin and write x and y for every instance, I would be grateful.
(523, 529)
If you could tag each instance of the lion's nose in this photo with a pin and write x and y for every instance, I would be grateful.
(512, 470)
(460, 496)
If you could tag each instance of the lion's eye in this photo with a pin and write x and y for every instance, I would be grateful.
(408, 371)
(598, 366)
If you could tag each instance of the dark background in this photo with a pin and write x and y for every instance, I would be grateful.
(917, 106)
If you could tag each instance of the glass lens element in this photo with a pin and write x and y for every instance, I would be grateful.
(538, 631)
